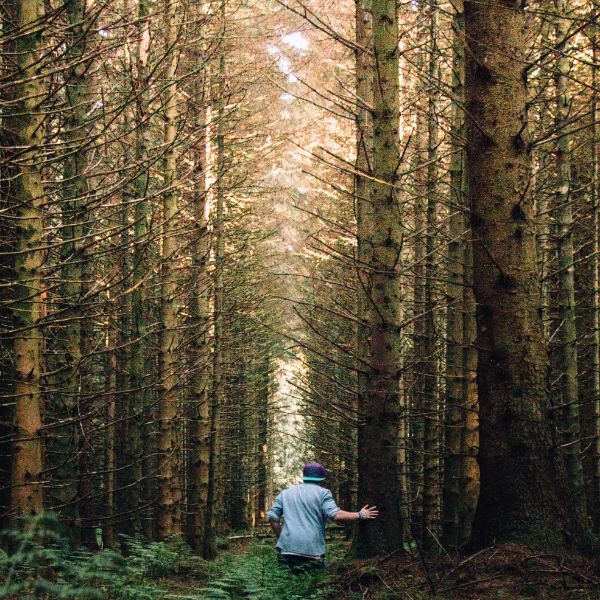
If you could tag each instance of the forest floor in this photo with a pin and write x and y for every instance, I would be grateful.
(246, 568)
(508, 571)
(249, 570)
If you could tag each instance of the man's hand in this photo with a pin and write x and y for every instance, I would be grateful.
(369, 513)
(365, 511)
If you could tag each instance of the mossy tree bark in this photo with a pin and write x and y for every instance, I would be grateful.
(524, 494)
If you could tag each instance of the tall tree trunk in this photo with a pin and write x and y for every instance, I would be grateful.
(381, 413)
(591, 409)
(78, 337)
(134, 402)
(199, 433)
(27, 124)
(595, 418)
(238, 441)
(169, 491)
(73, 211)
(108, 491)
(218, 237)
(431, 431)
(262, 468)
(8, 175)
(469, 422)
(524, 495)
(416, 455)
(362, 206)
(566, 363)
(419, 388)
(451, 496)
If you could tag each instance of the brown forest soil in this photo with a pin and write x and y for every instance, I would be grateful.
(508, 571)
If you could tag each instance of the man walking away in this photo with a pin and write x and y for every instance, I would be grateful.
(305, 509)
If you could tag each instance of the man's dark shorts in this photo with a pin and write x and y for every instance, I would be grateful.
(300, 564)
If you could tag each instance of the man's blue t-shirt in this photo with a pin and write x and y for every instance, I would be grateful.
(305, 508)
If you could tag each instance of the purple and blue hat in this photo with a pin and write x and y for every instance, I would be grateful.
(313, 472)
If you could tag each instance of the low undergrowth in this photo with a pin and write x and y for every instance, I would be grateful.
(39, 562)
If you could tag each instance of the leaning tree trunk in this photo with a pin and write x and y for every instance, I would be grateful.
(524, 493)
(26, 121)
(380, 413)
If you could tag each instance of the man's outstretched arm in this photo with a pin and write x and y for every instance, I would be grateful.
(364, 513)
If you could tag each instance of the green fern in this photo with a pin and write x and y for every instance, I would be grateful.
(43, 564)
(256, 575)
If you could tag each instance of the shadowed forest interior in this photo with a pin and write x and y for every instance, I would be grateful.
(237, 236)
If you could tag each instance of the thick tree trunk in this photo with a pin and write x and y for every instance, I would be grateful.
(524, 494)
(381, 413)
(27, 124)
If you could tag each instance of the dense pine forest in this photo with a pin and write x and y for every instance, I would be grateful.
(237, 236)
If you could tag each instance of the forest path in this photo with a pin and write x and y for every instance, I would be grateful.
(255, 574)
